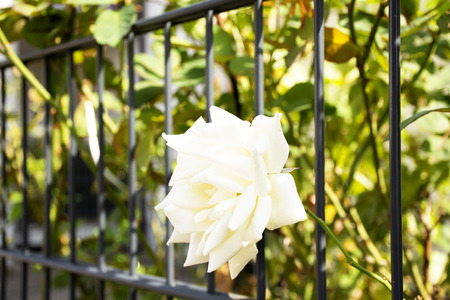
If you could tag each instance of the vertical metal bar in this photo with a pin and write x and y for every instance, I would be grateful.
(259, 110)
(209, 72)
(25, 212)
(394, 150)
(132, 165)
(168, 159)
(48, 181)
(319, 143)
(101, 213)
(71, 171)
(259, 64)
(4, 194)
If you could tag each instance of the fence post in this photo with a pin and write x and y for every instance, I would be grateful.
(395, 151)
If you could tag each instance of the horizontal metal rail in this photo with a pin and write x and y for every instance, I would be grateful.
(143, 282)
(176, 16)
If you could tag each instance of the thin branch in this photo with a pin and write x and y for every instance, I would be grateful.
(350, 260)
(351, 21)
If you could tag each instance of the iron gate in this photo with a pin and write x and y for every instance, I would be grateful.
(168, 286)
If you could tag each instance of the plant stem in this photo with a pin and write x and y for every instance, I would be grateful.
(431, 49)
(12, 56)
(350, 260)
(360, 63)
(351, 20)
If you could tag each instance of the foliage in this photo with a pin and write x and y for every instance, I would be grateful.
(356, 112)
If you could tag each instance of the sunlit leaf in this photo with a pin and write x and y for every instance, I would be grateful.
(147, 92)
(416, 116)
(242, 66)
(91, 2)
(111, 26)
(338, 46)
(28, 10)
(299, 97)
(120, 139)
(143, 149)
(223, 45)
(192, 72)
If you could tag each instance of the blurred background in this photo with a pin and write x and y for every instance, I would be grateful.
(356, 116)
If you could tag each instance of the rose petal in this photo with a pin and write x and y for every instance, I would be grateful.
(287, 207)
(192, 257)
(183, 219)
(178, 237)
(241, 259)
(278, 149)
(187, 196)
(259, 221)
(178, 141)
(259, 174)
(187, 166)
(244, 208)
(223, 207)
(222, 179)
(219, 115)
(220, 195)
(218, 233)
(235, 160)
(226, 250)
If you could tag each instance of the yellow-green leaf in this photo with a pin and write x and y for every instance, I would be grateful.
(111, 26)
(417, 116)
(339, 47)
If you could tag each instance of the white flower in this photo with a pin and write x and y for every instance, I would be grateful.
(228, 187)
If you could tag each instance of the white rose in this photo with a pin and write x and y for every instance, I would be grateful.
(228, 187)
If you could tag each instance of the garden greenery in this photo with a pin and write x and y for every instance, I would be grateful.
(356, 133)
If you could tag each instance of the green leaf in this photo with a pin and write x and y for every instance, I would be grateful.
(112, 79)
(28, 10)
(147, 91)
(15, 24)
(242, 66)
(223, 45)
(416, 116)
(299, 97)
(143, 149)
(111, 26)
(338, 46)
(46, 30)
(192, 72)
(91, 2)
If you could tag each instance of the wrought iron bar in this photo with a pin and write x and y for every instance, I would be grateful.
(259, 110)
(209, 71)
(48, 181)
(319, 144)
(71, 84)
(4, 188)
(25, 211)
(168, 158)
(189, 13)
(176, 16)
(132, 177)
(101, 212)
(209, 74)
(395, 151)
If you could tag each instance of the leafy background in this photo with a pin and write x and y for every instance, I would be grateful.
(356, 133)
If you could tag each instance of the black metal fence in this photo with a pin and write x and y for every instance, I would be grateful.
(168, 286)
